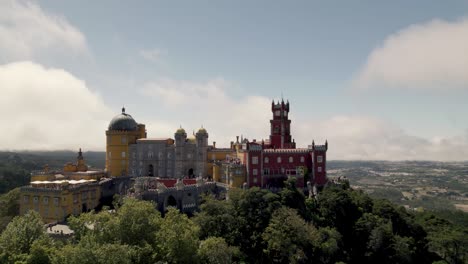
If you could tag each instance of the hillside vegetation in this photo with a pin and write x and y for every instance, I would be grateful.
(254, 226)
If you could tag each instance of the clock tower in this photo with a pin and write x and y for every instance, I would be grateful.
(280, 134)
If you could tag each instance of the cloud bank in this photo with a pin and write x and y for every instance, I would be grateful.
(29, 33)
(45, 109)
(350, 137)
(431, 55)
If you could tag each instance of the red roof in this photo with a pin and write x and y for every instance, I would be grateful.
(171, 182)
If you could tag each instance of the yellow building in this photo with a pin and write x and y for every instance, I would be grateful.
(215, 155)
(56, 195)
(123, 130)
(224, 165)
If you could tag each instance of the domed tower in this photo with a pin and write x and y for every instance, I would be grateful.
(180, 137)
(202, 148)
(123, 130)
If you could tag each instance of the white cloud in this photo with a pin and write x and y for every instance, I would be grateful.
(29, 33)
(429, 55)
(45, 108)
(207, 103)
(365, 138)
(152, 55)
(350, 137)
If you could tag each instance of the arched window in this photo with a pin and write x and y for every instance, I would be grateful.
(291, 159)
(278, 159)
(267, 160)
(302, 159)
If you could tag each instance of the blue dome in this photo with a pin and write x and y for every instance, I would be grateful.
(123, 121)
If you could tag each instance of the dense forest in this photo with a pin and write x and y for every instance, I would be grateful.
(341, 225)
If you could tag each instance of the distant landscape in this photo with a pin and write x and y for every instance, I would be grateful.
(414, 184)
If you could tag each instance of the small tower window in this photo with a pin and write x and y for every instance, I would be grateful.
(255, 160)
(319, 159)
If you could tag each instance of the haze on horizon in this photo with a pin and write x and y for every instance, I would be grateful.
(380, 80)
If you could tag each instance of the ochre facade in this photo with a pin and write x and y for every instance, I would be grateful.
(57, 194)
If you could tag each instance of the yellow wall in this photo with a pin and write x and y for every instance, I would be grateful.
(216, 154)
(117, 144)
(55, 205)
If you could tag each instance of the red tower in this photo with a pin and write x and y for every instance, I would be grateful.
(280, 134)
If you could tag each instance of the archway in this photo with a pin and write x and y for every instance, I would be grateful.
(150, 170)
(84, 208)
(171, 201)
(190, 173)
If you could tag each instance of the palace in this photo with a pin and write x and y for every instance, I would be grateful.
(175, 172)
(266, 163)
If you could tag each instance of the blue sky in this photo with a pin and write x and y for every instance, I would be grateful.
(381, 79)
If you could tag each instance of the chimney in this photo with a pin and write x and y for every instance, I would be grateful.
(232, 144)
(214, 144)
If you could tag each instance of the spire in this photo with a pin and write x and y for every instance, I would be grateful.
(123, 109)
(80, 154)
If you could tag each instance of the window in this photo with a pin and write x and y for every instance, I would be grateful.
(255, 160)
(123, 154)
(255, 172)
(278, 160)
(319, 159)
(150, 154)
(319, 169)
(123, 140)
(123, 162)
(56, 201)
(291, 159)
(255, 180)
(266, 171)
(213, 156)
(134, 155)
(302, 159)
(36, 199)
(267, 160)
(277, 113)
(45, 200)
(110, 154)
(26, 199)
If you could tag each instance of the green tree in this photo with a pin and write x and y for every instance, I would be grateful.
(289, 238)
(20, 234)
(215, 250)
(327, 247)
(216, 218)
(9, 207)
(253, 209)
(178, 238)
(292, 197)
